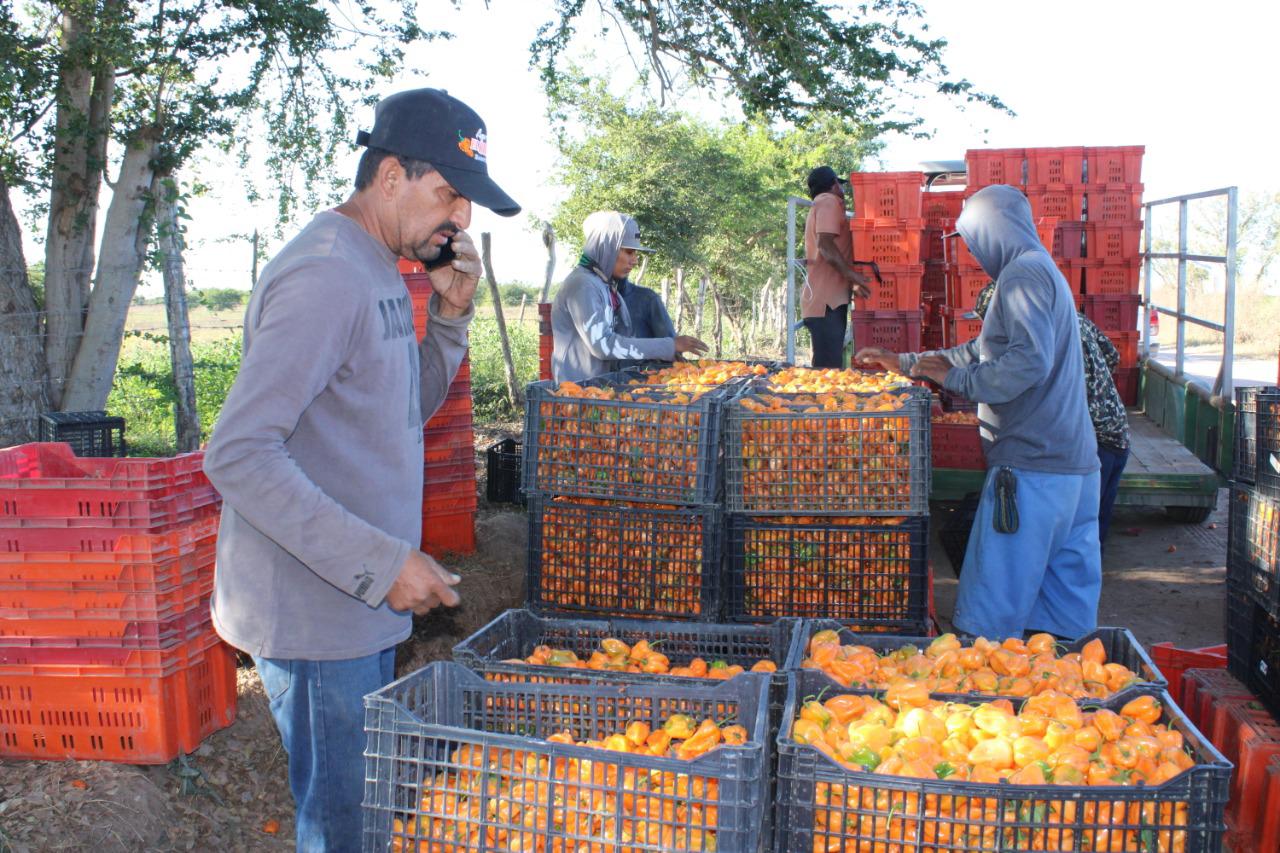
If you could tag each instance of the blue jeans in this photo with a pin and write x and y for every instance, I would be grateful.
(1048, 574)
(318, 707)
(1113, 462)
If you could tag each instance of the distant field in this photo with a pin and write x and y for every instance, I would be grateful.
(205, 324)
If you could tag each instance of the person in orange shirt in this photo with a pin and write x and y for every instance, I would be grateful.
(828, 250)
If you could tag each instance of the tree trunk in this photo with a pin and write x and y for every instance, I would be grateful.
(186, 418)
(124, 240)
(679, 296)
(666, 290)
(549, 240)
(524, 301)
(513, 392)
(81, 130)
(717, 329)
(760, 312)
(24, 387)
(702, 301)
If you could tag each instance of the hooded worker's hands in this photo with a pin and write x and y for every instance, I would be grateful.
(688, 344)
(932, 367)
(876, 355)
(456, 281)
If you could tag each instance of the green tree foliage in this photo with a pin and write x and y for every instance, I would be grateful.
(219, 298)
(709, 197)
(783, 59)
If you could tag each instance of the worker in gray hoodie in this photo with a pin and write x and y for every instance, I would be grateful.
(1033, 561)
(589, 318)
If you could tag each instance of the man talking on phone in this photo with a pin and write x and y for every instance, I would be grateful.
(318, 450)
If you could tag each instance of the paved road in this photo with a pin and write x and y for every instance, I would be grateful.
(1203, 367)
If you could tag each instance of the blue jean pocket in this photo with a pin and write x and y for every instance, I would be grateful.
(276, 676)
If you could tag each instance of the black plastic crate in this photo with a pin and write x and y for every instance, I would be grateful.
(1121, 647)
(656, 446)
(502, 482)
(800, 460)
(1253, 646)
(514, 635)
(466, 760)
(911, 815)
(602, 558)
(870, 571)
(1253, 545)
(1267, 401)
(88, 433)
(1245, 449)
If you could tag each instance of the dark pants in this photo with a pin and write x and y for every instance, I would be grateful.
(1113, 462)
(827, 335)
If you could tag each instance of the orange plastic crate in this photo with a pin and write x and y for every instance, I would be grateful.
(939, 206)
(1173, 662)
(115, 632)
(1114, 241)
(1061, 202)
(957, 446)
(894, 195)
(935, 279)
(134, 720)
(898, 290)
(1257, 743)
(452, 532)
(106, 604)
(1201, 686)
(1117, 164)
(1269, 831)
(1112, 313)
(986, 166)
(1055, 166)
(1110, 279)
(1068, 240)
(121, 562)
(1126, 379)
(964, 284)
(887, 241)
(957, 329)
(106, 660)
(1118, 203)
(1126, 343)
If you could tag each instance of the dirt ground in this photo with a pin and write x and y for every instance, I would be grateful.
(1162, 579)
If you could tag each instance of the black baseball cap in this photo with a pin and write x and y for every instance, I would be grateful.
(821, 179)
(431, 125)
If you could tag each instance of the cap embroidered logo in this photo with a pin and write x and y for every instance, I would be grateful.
(475, 147)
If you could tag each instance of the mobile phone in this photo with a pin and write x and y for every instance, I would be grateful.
(447, 254)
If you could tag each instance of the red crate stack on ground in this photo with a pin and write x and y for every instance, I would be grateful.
(1256, 740)
(449, 471)
(107, 650)
(888, 230)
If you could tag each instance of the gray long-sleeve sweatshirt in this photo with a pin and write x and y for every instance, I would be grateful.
(318, 449)
(589, 332)
(1025, 368)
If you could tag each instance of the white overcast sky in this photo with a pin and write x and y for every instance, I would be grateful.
(1193, 82)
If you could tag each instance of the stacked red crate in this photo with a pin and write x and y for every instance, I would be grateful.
(546, 342)
(940, 209)
(1095, 194)
(107, 650)
(449, 471)
(888, 229)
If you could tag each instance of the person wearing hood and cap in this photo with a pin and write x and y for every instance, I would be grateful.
(318, 451)
(590, 321)
(1033, 561)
